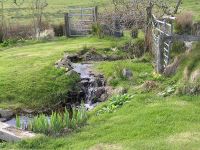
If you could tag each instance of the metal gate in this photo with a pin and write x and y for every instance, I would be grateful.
(162, 46)
(79, 21)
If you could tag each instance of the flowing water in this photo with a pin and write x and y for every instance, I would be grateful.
(91, 85)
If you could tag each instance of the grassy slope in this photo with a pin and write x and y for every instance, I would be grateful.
(148, 121)
(27, 73)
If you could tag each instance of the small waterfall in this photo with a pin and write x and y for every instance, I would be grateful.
(92, 85)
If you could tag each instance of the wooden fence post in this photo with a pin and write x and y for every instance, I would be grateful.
(67, 28)
(159, 60)
(96, 13)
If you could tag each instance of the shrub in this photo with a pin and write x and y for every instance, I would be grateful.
(184, 23)
(19, 32)
(178, 47)
(57, 121)
(58, 29)
(97, 30)
(135, 47)
(18, 123)
(9, 42)
(115, 102)
(134, 33)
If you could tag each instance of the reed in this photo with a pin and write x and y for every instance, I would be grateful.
(18, 124)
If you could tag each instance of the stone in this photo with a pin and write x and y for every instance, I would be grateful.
(103, 97)
(127, 73)
(72, 73)
(10, 134)
(120, 91)
(7, 114)
(149, 85)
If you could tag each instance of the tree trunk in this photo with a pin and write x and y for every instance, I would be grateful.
(148, 30)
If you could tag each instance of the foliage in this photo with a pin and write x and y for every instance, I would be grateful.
(8, 42)
(18, 123)
(114, 103)
(178, 47)
(58, 29)
(97, 30)
(168, 91)
(57, 122)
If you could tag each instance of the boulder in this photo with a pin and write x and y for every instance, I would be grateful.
(7, 114)
(127, 74)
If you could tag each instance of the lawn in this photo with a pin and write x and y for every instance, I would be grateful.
(27, 73)
(146, 121)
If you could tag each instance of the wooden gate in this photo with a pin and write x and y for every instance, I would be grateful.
(78, 22)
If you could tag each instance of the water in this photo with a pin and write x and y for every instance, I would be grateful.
(83, 69)
(24, 120)
(90, 90)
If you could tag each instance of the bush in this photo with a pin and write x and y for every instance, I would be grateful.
(97, 30)
(134, 33)
(57, 122)
(19, 32)
(178, 47)
(135, 47)
(9, 42)
(58, 29)
(115, 103)
(184, 23)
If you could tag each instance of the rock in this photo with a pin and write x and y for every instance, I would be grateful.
(93, 56)
(195, 76)
(72, 73)
(149, 85)
(103, 97)
(73, 57)
(127, 73)
(7, 114)
(120, 91)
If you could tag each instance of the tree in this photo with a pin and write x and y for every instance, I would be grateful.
(37, 8)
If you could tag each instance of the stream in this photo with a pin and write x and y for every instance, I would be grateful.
(92, 86)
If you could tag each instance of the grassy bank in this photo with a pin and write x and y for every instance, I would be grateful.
(147, 121)
(27, 73)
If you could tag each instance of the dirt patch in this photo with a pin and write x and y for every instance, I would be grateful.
(184, 137)
(106, 147)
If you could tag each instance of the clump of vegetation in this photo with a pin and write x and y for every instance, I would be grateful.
(18, 124)
(57, 123)
(184, 23)
(115, 103)
(134, 33)
(178, 47)
(97, 30)
(58, 29)
(9, 42)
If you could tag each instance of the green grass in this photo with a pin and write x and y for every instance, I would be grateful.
(193, 6)
(55, 10)
(146, 122)
(27, 74)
